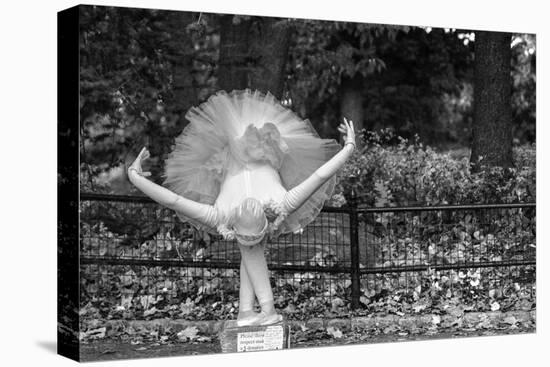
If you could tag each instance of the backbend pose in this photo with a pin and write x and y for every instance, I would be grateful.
(249, 169)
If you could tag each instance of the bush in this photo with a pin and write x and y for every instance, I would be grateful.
(393, 171)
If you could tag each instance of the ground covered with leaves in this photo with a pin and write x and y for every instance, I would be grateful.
(149, 339)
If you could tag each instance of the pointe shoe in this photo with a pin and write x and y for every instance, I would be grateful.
(265, 319)
(273, 319)
(247, 320)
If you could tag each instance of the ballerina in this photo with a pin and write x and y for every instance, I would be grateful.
(249, 169)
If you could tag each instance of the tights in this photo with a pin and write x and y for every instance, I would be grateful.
(254, 262)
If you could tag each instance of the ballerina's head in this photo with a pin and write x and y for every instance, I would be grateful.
(249, 222)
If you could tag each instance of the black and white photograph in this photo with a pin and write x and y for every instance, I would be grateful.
(232, 183)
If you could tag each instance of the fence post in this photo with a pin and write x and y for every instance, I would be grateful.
(354, 249)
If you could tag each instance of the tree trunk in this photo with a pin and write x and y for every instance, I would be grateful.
(351, 103)
(269, 45)
(233, 63)
(253, 54)
(184, 89)
(492, 126)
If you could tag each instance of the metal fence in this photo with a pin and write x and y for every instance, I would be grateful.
(131, 246)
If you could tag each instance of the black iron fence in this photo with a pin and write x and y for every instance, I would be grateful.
(131, 248)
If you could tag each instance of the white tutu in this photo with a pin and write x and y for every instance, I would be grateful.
(244, 126)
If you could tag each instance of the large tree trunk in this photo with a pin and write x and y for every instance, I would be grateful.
(269, 46)
(233, 63)
(351, 103)
(179, 46)
(253, 54)
(492, 126)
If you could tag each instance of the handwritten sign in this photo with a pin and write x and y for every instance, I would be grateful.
(269, 339)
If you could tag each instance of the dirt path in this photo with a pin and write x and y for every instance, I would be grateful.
(113, 349)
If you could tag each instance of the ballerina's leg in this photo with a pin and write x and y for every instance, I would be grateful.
(246, 295)
(256, 267)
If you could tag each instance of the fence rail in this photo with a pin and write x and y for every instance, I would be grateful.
(353, 243)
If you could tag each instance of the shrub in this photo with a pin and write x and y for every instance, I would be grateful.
(393, 171)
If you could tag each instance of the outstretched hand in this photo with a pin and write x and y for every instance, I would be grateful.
(346, 128)
(136, 165)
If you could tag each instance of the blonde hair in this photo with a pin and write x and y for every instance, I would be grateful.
(249, 214)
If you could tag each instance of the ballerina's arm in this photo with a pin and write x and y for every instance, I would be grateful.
(204, 213)
(300, 194)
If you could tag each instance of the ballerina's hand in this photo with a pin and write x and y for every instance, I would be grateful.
(347, 128)
(142, 156)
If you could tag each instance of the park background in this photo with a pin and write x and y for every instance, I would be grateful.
(142, 69)
(39, 344)
(410, 92)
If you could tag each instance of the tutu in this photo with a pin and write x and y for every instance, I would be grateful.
(246, 144)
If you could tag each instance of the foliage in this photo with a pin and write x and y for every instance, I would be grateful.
(322, 55)
(409, 73)
(129, 292)
(393, 171)
(524, 86)
(122, 79)
(417, 80)
(128, 65)
(445, 295)
(425, 67)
